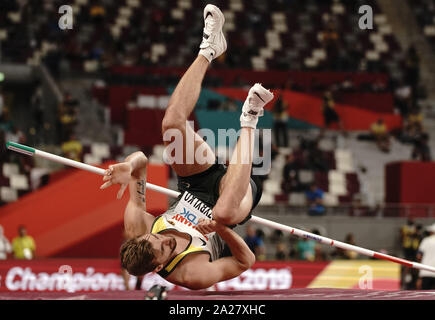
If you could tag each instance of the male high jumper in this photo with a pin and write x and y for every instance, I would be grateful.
(188, 245)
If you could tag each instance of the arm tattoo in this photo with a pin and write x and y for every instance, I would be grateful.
(141, 189)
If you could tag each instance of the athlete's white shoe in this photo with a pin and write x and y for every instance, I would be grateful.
(257, 98)
(213, 40)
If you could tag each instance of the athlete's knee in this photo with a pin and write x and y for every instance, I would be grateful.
(224, 214)
(172, 121)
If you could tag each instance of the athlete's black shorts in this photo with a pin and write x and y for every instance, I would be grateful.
(205, 186)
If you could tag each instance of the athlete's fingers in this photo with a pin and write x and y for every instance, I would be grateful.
(202, 222)
(205, 230)
(201, 226)
(205, 226)
(107, 177)
(212, 223)
(107, 184)
(109, 171)
(121, 191)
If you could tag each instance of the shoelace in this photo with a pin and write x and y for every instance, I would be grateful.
(209, 25)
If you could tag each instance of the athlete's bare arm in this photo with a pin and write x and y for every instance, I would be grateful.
(199, 273)
(133, 174)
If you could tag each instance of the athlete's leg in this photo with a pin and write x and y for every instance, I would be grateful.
(185, 96)
(235, 200)
(185, 141)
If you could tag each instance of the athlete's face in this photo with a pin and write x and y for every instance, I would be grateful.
(164, 246)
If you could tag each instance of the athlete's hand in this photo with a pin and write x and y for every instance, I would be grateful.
(118, 174)
(206, 226)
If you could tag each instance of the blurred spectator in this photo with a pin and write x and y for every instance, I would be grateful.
(72, 149)
(414, 120)
(380, 134)
(67, 116)
(413, 131)
(315, 201)
(330, 116)
(426, 254)
(292, 245)
(409, 250)
(25, 163)
(280, 252)
(421, 150)
(97, 12)
(15, 135)
(315, 158)
(290, 181)
(276, 236)
(6, 123)
(255, 242)
(409, 276)
(23, 246)
(406, 237)
(412, 71)
(5, 246)
(280, 118)
(306, 249)
(403, 98)
(330, 38)
(346, 254)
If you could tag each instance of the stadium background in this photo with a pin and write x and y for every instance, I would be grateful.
(102, 88)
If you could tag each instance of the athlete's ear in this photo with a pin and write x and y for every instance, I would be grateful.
(158, 268)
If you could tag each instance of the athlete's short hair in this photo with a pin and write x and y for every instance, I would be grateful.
(137, 256)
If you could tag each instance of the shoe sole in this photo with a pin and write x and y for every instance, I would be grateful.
(213, 9)
(258, 90)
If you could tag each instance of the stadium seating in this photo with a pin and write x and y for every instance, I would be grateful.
(13, 182)
(340, 182)
(275, 34)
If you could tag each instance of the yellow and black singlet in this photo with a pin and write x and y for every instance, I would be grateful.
(184, 217)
